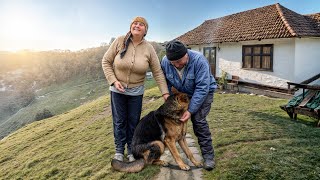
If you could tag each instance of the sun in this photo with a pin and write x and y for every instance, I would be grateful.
(19, 29)
(18, 26)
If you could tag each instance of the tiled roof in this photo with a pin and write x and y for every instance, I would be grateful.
(269, 22)
(315, 19)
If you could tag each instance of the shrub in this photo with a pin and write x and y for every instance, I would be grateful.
(43, 115)
(222, 81)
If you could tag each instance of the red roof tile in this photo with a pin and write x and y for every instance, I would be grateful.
(269, 22)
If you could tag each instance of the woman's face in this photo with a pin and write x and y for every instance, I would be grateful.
(138, 28)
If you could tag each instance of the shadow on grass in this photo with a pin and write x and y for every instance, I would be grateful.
(265, 126)
(277, 119)
(292, 128)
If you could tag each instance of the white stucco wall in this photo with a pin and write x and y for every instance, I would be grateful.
(307, 58)
(197, 48)
(229, 59)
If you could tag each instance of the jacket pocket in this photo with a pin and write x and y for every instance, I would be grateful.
(190, 81)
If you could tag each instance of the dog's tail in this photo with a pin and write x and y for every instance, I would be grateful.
(148, 153)
(131, 167)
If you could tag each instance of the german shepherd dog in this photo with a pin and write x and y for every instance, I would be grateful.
(159, 129)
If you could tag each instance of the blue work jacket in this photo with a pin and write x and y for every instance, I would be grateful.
(197, 80)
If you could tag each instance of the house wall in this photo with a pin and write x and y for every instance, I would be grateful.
(197, 48)
(229, 59)
(307, 58)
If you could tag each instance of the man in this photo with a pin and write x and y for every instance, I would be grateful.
(189, 72)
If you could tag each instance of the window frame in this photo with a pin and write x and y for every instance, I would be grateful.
(261, 54)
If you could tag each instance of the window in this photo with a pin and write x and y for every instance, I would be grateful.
(258, 57)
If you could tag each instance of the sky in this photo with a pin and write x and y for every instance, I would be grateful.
(79, 24)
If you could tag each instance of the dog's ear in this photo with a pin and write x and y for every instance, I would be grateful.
(183, 98)
(174, 90)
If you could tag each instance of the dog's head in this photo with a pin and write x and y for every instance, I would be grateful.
(181, 99)
(175, 105)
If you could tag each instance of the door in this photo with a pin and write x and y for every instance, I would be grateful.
(210, 54)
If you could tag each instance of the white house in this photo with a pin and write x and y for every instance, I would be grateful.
(267, 46)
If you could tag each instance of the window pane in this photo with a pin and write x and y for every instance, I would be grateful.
(206, 53)
(212, 59)
(256, 50)
(256, 62)
(266, 50)
(247, 50)
(247, 62)
(266, 62)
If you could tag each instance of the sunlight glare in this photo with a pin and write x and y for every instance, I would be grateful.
(20, 28)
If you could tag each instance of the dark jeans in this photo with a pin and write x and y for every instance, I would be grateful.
(201, 128)
(126, 111)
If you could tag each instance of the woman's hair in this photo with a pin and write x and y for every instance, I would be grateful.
(125, 44)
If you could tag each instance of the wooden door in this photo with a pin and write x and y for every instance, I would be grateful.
(210, 54)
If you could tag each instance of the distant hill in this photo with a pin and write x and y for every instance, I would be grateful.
(24, 75)
(25, 72)
(27, 76)
(56, 99)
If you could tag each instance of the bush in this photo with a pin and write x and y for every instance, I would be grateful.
(43, 115)
(222, 81)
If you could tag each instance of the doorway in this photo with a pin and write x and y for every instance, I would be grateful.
(210, 54)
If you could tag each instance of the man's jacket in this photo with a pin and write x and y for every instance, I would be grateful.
(197, 80)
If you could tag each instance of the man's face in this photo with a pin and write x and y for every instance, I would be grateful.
(180, 63)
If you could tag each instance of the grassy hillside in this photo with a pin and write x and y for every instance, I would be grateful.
(76, 144)
(58, 99)
(253, 139)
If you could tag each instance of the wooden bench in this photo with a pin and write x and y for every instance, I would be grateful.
(294, 111)
(301, 107)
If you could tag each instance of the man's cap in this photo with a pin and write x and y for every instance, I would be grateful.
(175, 50)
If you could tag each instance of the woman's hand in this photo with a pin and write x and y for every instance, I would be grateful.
(165, 96)
(118, 86)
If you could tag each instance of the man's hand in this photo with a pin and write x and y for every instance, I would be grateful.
(186, 115)
(119, 86)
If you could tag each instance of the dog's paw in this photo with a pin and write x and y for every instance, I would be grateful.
(184, 167)
(165, 164)
(161, 163)
(198, 164)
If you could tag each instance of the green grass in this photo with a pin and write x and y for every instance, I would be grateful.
(254, 139)
(252, 136)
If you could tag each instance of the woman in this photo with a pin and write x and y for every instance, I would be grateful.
(125, 65)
